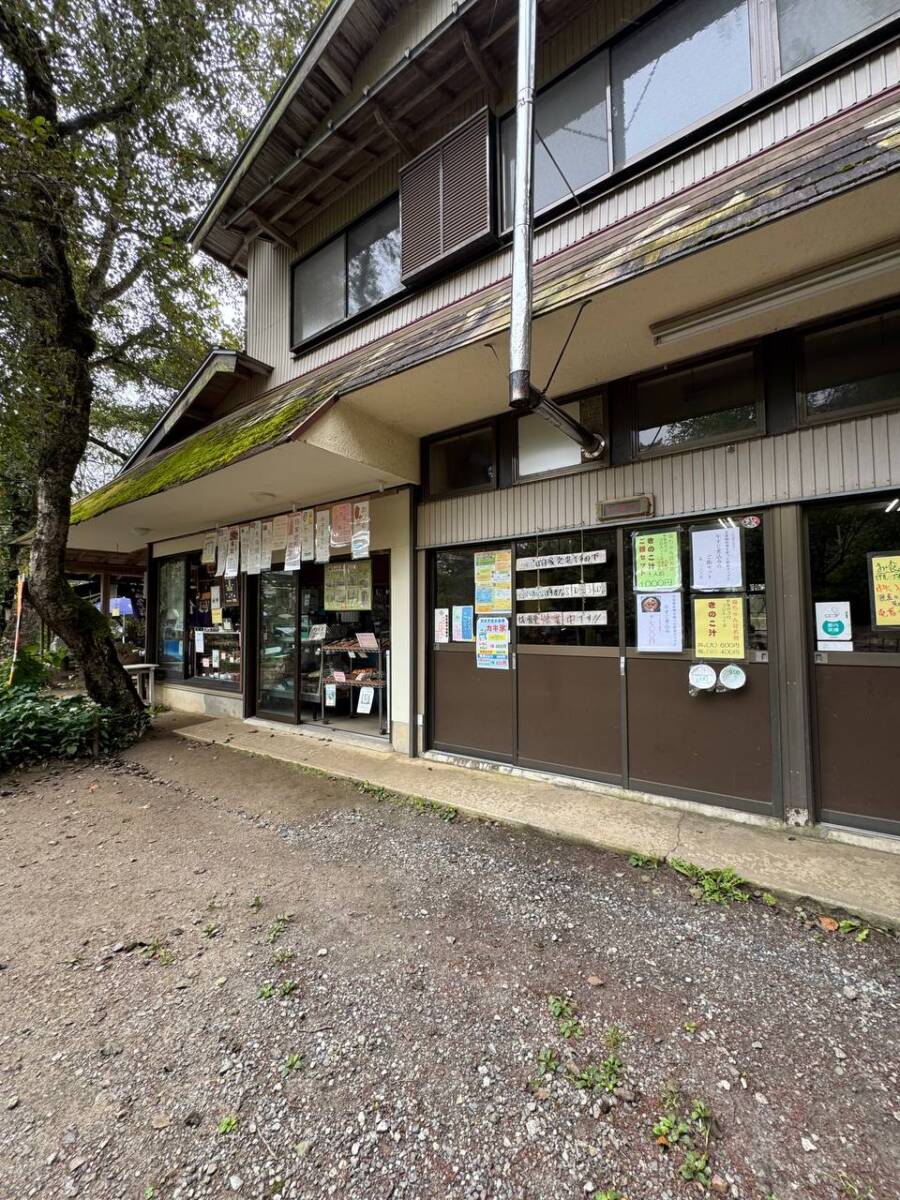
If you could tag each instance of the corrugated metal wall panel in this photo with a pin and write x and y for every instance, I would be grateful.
(807, 464)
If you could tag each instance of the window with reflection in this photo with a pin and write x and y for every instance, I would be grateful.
(463, 462)
(690, 61)
(351, 273)
(571, 148)
(841, 539)
(851, 367)
(541, 447)
(172, 582)
(711, 402)
(807, 28)
(566, 589)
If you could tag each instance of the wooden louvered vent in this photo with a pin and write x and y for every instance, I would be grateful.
(447, 209)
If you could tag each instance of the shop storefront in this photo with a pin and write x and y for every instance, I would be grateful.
(289, 618)
(636, 656)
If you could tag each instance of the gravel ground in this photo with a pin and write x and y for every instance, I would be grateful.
(141, 1054)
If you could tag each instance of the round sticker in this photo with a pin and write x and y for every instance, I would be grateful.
(702, 677)
(751, 522)
(732, 677)
(833, 628)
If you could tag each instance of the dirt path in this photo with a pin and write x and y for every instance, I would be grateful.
(398, 1052)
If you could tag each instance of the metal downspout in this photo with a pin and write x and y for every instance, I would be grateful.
(523, 395)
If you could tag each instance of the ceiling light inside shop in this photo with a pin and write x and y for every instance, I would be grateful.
(893, 504)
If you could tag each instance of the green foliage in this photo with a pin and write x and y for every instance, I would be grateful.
(32, 669)
(228, 1124)
(695, 1167)
(548, 1062)
(646, 862)
(34, 728)
(605, 1078)
(722, 886)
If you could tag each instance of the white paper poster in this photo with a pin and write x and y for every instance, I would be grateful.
(367, 642)
(323, 536)
(359, 538)
(442, 624)
(659, 622)
(210, 543)
(366, 697)
(215, 596)
(292, 553)
(341, 517)
(254, 541)
(716, 560)
(280, 532)
(463, 623)
(317, 633)
(232, 558)
(216, 658)
(307, 526)
(330, 695)
(833, 622)
(265, 549)
(221, 549)
(199, 641)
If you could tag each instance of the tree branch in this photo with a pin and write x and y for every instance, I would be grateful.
(95, 441)
(25, 48)
(128, 280)
(25, 281)
(115, 110)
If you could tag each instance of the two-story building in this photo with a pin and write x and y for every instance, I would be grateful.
(346, 523)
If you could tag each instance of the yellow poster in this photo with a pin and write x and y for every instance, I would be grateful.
(493, 581)
(719, 627)
(884, 580)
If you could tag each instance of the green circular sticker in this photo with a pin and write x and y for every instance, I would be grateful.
(833, 628)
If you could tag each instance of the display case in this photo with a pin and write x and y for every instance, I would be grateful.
(214, 615)
(348, 668)
(277, 672)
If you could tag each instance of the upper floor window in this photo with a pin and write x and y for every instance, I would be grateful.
(685, 64)
(851, 367)
(807, 28)
(712, 402)
(571, 145)
(542, 447)
(354, 271)
(463, 462)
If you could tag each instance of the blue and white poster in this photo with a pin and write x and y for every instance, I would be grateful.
(463, 623)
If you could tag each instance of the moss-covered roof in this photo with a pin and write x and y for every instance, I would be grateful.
(259, 426)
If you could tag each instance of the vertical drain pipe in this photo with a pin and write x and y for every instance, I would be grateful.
(524, 397)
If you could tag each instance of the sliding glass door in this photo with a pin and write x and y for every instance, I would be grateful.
(277, 693)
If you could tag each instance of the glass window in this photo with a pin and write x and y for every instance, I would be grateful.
(712, 402)
(214, 619)
(354, 271)
(319, 290)
(854, 366)
(841, 537)
(373, 258)
(572, 149)
(170, 613)
(593, 582)
(542, 447)
(807, 28)
(463, 463)
(686, 63)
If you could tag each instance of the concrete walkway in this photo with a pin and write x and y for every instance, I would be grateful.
(798, 864)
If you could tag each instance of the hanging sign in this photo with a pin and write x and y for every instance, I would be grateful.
(719, 627)
(657, 561)
(492, 643)
(717, 560)
(341, 518)
(544, 562)
(254, 540)
(833, 622)
(359, 538)
(463, 622)
(331, 695)
(323, 536)
(293, 551)
(732, 678)
(308, 534)
(210, 544)
(221, 549)
(659, 622)
(367, 642)
(232, 558)
(280, 532)
(348, 586)
(560, 591)
(587, 616)
(884, 586)
(493, 581)
(265, 549)
(442, 625)
(702, 677)
(317, 633)
(366, 697)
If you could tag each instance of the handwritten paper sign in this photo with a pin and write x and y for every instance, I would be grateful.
(293, 552)
(359, 538)
(366, 697)
(493, 581)
(719, 627)
(659, 622)
(492, 643)
(587, 616)
(265, 551)
(657, 561)
(717, 559)
(308, 534)
(232, 558)
(463, 623)
(367, 642)
(210, 543)
(280, 532)
(884, 584)
(330, 695)
(543, 562)
(323, 536)
(221, 549)
(442, 625)
(254, 543)
(341, 516)
(317, 633)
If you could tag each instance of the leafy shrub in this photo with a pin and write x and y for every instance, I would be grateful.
(32, 669)
(35, 727)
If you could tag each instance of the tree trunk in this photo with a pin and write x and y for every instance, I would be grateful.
(84, 630)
